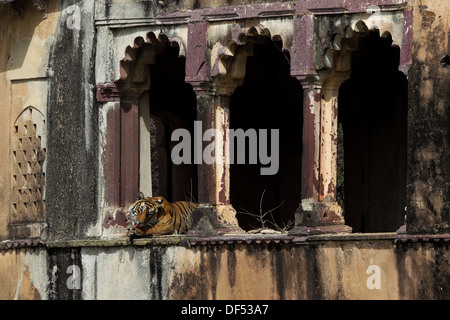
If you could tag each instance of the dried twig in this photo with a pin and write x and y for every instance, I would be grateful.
(261, 217)
(191, 197)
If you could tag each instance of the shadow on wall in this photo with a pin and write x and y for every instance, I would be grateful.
(173, 105)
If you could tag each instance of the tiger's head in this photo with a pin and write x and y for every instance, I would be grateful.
(145, 212)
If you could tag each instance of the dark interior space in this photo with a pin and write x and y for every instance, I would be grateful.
(373, 115)
(172, 106)
(268, 99)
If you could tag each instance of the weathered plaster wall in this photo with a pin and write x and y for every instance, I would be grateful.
(73, 128)
(429, 118)
(323, 269)
(49, 66)
(23, 274)
(27, 36)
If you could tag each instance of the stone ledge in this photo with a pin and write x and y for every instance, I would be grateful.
(235, 238)
(444, 237)
(353, 236)
(87, 243)
(239, 238)
(21, 243)
(119, 242)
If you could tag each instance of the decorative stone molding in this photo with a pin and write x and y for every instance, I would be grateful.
(196, 66)
(108, 92)
(134, 73)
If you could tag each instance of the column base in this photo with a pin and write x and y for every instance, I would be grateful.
(319, 218)
(212, 220)
(402, 230)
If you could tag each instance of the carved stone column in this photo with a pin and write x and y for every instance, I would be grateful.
(318, 211)
(215, 215)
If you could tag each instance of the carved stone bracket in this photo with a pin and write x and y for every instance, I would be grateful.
(108, 92)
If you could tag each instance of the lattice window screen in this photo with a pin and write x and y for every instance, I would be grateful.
(28, 174)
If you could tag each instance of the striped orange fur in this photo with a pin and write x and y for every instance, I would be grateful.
(157, 216)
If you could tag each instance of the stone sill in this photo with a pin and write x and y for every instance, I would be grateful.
(237, 238)
(354, 236)
(117, 242)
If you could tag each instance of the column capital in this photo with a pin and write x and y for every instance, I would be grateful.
(226, 87)
(332, 80)
(308, 79)
(318, 218)
(215, 87)
(200, 85)
(316, 214)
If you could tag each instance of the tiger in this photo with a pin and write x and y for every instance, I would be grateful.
(155, 216)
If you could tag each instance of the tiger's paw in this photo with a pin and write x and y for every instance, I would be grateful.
(132, 233)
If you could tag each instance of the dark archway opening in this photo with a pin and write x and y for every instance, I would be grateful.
(172, 106)
(373, 115)
(268, 99)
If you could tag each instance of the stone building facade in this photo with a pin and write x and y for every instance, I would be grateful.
(358, 92)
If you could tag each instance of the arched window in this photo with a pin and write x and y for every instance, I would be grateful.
(373, 115)
(269, 99)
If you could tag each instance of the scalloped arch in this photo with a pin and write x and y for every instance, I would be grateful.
(230, 59)
(337, 56)
(143, 52)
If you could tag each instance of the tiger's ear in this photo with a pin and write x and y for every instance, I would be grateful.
(140, 195)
